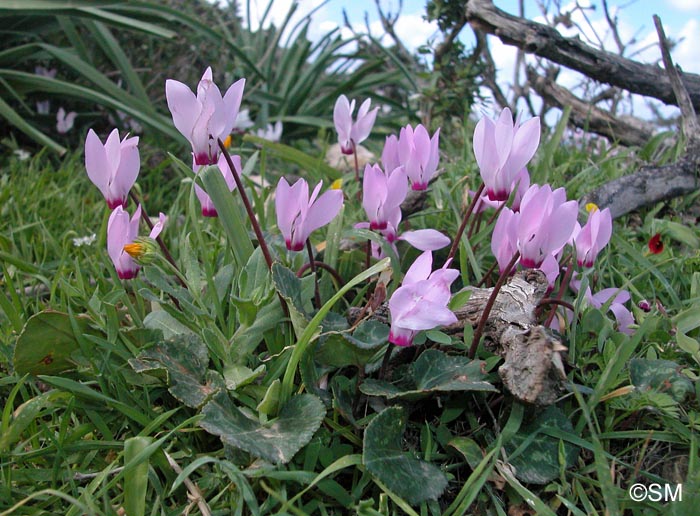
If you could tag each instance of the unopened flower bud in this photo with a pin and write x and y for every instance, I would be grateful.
(144, 250)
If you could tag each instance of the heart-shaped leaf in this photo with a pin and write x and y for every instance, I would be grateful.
(535, 455)
(47, 343)
(433, 371)
(412, 479)
(184, 358)
(277, 441)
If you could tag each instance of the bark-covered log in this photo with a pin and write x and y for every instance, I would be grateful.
(651, 184)
(606, 67)
(625, 130)
(532, 368)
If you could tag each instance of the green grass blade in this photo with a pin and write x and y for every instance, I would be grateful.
(135, 478)
(312, 328)
(229, 214)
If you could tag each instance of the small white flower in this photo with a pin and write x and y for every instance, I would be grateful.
(22, 154)
(65, 121)
(272, 133)
(243, 121)
(86, 240)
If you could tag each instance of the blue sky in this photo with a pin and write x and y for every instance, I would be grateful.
(681, 19)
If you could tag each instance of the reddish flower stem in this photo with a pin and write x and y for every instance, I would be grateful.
(489, 304)
(465, 219)
(562, 288)
(251, 216)
(248, 206)
(325, 267)
(312, 266)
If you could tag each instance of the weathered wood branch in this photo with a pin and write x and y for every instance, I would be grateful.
(652, 184)
(532, 369)
(606, 67)
(625, 130)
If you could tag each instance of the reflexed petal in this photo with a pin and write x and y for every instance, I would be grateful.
(397, 187)
(158, 226)
(425, 239)
(128, 171)
(420, 269)
(286, 206)
(342, 118)
(96, 162)
(232, 104)
(427, 315)
(363, 127)
(624, 318)
(183, 106)
(323, 210)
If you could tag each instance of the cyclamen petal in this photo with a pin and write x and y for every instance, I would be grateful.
(593, 237)
(298, 215)
(420, 303)
(352, 132)
(419, 155)
(502, 149)
(122, 230)
(205, 118)
(112, 167)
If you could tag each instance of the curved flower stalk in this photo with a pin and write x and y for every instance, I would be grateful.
(502, 149)
(419, 154)
(206, 117)
(594, 235)
(112, 167)
(123, 231)
(420, 303)
(298, 215)
(208, 208)
(382, 195)
(352, 132)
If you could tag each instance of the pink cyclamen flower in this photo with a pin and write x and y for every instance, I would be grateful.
(545, 224)
(382, 194)
(112, 167)
(419, 154)
(616, 297)
(122, 231)
(420, 303)
(298, 215)
(594, 235)
(352, 132)
(502, 149)
(65, 121)
(206, 117)
(208, 208)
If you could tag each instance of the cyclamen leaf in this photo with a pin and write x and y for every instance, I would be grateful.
(185, 359)
(412, 479)
(276, 442)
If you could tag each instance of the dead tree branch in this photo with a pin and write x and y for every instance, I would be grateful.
(625, 130)
(544, 41)
(653, 184)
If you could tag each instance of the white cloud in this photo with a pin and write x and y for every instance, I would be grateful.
(686, 5)
(686, 52)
